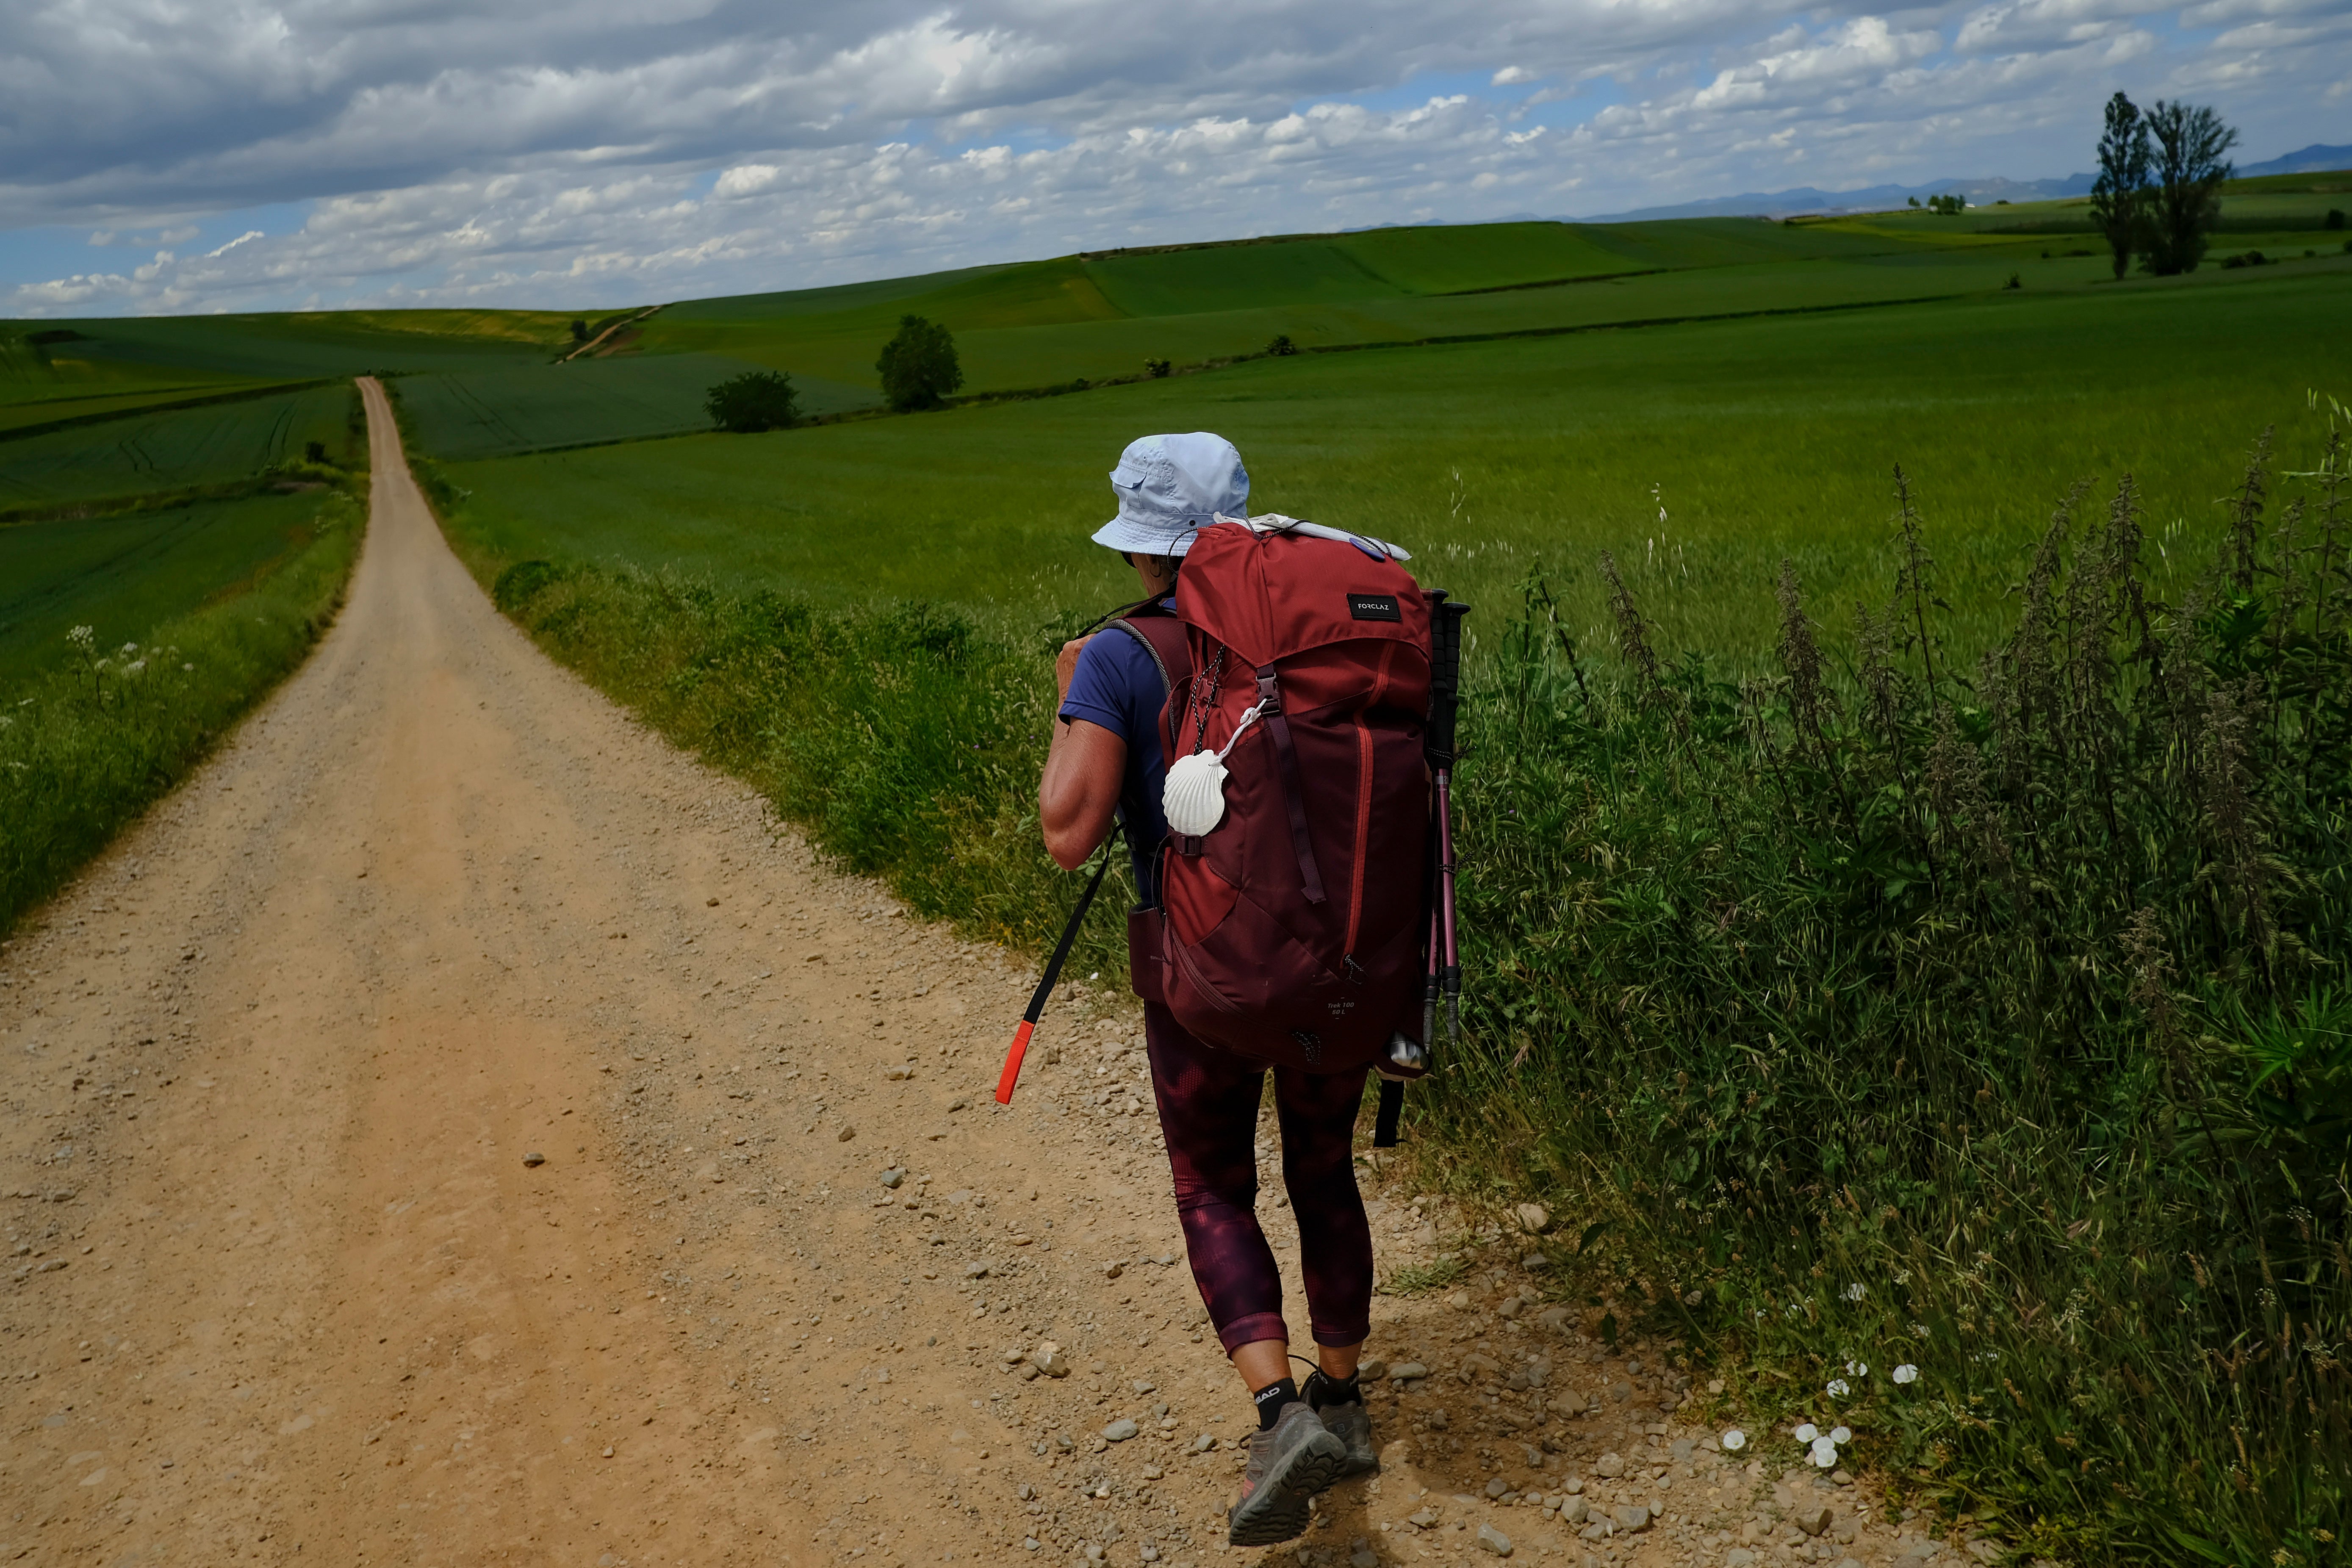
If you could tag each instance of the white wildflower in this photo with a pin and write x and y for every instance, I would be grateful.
(1806, 1433)
(1734, 1440)
(1825, 1453)
(1838, 1388)
(1840, 1435)
(188, 666)
(127, 650)
(1855, 1293)
(83, 637)
(1857, 1369)
(135, 667)
(1907, 1373)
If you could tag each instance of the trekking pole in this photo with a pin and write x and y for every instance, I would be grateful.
(1012, 1058)
(1441, 966)
(1444, 708)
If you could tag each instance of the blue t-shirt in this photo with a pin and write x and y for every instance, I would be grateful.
(1118, 685)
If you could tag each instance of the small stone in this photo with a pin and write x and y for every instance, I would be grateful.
(1535, 1263)
(534, 1158)
(1372, 1369)
(846, 1134)
(1363, 1557)
(1204, 1443)
(1574, 1510)
(1740, 1557)
(1556, 1319)
(1497, 1487)
(1608, 1466)
(1812, 1518)
(1113, 1270)
(1028, 1372)
(1424, 1517)
(1534, 1218)
(1048, 1359)
(711, 903)
(1494, 1541)
(1409, 1371)
(975, 1270)
(1511, 1307)
(1633, 1517)
(899, 1074)
(1150, 1553)
(1573, 1486)
(1153, 1473)
(891, 1178)
(1120, 1430)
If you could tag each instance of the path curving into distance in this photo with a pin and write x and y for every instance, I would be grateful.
(284, 1285)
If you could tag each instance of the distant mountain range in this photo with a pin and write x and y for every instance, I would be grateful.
(1979, 192)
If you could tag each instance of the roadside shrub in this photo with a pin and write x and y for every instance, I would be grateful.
(919, 367)
(1280, 345)
(520, 582)
(757, 400)
(1157, 368)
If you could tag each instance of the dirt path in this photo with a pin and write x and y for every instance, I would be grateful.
(452, 1131)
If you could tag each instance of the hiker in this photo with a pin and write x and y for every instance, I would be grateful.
(1107, 755)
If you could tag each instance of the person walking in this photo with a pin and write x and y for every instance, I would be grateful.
(1107, 759)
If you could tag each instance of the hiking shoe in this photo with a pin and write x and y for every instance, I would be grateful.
(1289, 1462)
(1350, 1423)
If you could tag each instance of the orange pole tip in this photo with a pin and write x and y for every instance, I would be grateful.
(1012, 1073)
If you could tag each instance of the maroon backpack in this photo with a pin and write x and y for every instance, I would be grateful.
(1292, 930)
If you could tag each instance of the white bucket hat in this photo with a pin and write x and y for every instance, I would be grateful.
(1168, 486)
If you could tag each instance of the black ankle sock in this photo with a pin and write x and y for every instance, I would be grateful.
(1270, 1401)
(1323, 1389)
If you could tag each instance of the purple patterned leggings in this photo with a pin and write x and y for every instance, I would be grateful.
(1208, 1110)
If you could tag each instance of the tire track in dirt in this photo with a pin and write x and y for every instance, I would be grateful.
(450, 1129)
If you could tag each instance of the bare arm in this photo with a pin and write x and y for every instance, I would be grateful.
(1085, 767)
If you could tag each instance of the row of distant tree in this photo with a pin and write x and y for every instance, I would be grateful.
(2159, 194)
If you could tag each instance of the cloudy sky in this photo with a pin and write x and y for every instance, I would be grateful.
(181, 155)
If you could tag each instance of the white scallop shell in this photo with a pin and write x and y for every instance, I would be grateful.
(1193, 799)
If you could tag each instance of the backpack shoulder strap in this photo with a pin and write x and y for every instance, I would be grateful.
(1163, 638)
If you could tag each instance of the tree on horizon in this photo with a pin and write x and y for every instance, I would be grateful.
(2188, 169)
(2119, 198)
(919, 367)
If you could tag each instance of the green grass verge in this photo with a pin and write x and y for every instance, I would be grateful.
(85, 749)
(126, 572)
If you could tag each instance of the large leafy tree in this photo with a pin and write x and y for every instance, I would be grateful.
(2189, 168)
(2119, 198)
(918, 366)
(756, 400)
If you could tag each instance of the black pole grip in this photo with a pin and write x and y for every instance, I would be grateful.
(1445, 677)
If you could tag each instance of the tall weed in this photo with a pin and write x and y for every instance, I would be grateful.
(1982, 1016)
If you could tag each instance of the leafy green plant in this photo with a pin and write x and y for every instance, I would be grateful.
(920, 366)
(757, 400)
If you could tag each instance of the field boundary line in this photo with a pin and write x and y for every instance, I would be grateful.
(205, 401)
